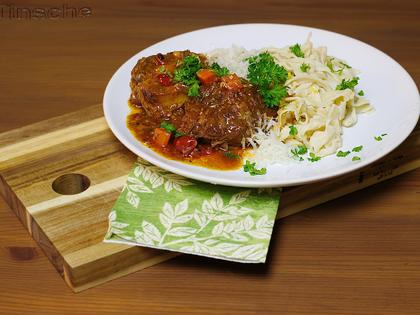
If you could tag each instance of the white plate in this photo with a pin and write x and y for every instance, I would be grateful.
(386, 84)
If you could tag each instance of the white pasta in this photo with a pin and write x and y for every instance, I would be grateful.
(314, 106)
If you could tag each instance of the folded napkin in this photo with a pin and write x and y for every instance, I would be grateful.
(163, 210)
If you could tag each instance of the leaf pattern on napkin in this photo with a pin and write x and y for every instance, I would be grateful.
(163, 210)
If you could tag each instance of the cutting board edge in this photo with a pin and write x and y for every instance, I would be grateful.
(287, 211)
(129, 269)
(31, 226)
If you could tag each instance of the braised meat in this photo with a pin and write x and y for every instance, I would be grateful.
(223, 113)
(153, 88)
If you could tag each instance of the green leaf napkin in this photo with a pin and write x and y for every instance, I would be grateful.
(163, 210)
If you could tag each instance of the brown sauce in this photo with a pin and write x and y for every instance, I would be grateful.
(142, 127)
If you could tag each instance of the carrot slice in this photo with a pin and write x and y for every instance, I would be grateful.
(161, 136)
(232, 82)
(206, 76)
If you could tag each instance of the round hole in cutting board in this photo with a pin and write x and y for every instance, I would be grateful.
(70, 184)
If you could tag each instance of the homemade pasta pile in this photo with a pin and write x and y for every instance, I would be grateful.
(316, 108)
(321, 100)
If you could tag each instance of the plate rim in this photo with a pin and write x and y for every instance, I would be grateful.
(255, 183)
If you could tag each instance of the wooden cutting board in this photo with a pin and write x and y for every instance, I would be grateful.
(70, 228)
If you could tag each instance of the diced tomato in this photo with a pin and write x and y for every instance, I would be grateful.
(164, 79)
(161, 137)
(232, 82)
(185, 144)
(206, 76)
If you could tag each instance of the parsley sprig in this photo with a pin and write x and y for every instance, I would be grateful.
(304, 67)
(297, 51)
(170, 128)
(346, 153)
(293, 130)
(330, 66)
(313, 158)
(162, 69)
(302, 150)
(345, 65)
(343, 153)
(269, 77)
(218, 70)
(186, 73)
(194, 89)
(379, 138)
(252, 170)
(348, 84)
(357, 149)
(298, 151)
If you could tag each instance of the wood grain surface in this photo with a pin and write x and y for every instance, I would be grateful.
(357, 255)
(48, 159)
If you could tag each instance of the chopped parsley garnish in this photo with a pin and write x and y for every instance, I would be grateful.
(361, 93)
(186, 73)
(252, 170)
(269, 77)
(299, 150)
(304, 67)
(355, 158)
(357, 149)
(218, 70)
(313, 158)
(379, 138)
(330, 66)
(297, 51)
(231, 155)
(343, 153)
(168, 126)
(293, 130)
(162, 69)
(272, 97)
(345, 65)
(178, 134)
(194, 89)
(348, 84)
